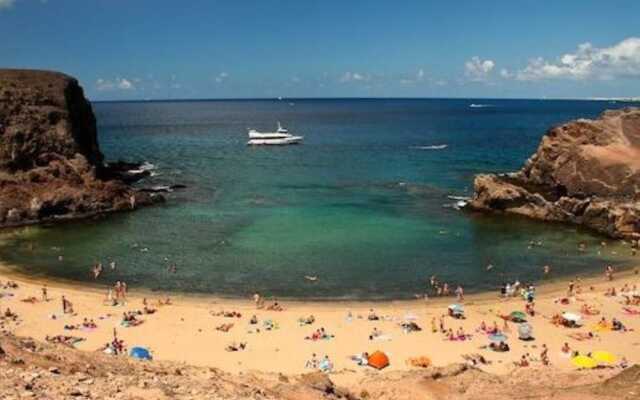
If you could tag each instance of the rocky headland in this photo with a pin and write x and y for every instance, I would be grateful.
(585, 172)
(51, 167)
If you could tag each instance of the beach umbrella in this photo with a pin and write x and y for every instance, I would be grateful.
(518, 316)
(140, 353)
(524, 331)
(604, 357)
(584, 362)
(498, 337)
(571, 317)
(378, 360)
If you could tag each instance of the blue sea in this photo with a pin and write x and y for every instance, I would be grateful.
(362, 204)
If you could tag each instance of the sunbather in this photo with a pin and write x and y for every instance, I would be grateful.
(224, 327)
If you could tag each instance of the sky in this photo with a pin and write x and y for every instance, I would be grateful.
(161, 49)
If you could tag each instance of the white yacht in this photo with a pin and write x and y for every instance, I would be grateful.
(280, 137)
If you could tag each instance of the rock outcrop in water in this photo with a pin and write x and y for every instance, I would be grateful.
(51, 166)
(585, 172)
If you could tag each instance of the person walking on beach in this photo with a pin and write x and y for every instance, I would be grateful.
(117, 289)
(608, 271)
(571, 287)
(67, 307)
(460, 293)
(44, 294)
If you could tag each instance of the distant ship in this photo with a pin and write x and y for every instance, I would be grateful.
(280, 137)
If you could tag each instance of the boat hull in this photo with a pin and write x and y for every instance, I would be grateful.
(275, 142)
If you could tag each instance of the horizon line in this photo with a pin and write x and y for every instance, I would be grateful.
(204, 99)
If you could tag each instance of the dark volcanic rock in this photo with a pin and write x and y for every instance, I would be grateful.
(585, 172)
(51, 166)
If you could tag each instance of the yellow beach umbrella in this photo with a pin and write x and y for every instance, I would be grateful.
(584, 362)
(604, 357)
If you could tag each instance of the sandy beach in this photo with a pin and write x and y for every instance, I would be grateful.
(185, 331)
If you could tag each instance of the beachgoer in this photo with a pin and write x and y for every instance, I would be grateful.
(460, 293)
(44, 293)
(544, 355)
(608, 271)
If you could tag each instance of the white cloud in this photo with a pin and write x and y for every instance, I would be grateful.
(125, 84)
(117, 84)
(505, 73)
(354, 76)
(620, 60)
(478, 70)
(6, 4)
(221, 77)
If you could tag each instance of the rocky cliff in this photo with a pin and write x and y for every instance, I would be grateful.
(585, 172)
(51, 166)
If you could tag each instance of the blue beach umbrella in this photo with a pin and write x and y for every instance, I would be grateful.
(140, 353)
(498, 337)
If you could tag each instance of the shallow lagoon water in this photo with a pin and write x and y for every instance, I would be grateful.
(362, 203)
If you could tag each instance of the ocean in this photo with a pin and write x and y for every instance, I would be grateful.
(363, 203)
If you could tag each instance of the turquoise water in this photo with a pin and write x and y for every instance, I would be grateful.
(362, 203)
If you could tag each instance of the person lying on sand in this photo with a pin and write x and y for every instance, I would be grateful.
(129, 319)
(10, 285)
(616, 325)
(236, 347)
(361, 360)
(630, 311)
(375, 333)
(65, 340)
(475, 359)
(89, 324)
(270, 325)
(319, 334)
(409, 327)
(581, 336)
(589, 310)
(499, 347)
(165, 302)
(372, 315)
(275, 307)
(306, 321)
(31, 300)
(224, 327)
(226, 314)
